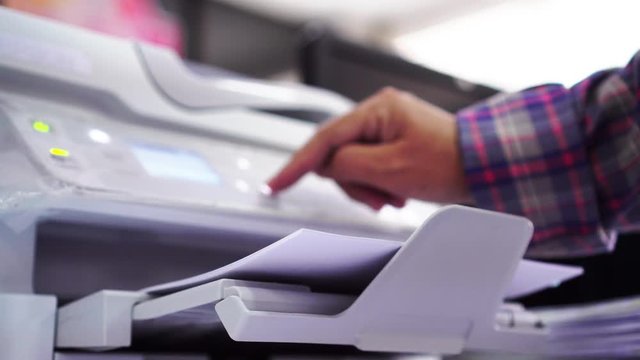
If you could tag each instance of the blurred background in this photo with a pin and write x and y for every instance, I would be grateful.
(507, 45)
(450, 52)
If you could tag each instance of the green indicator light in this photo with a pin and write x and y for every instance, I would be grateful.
(41, 127)
(58, 152)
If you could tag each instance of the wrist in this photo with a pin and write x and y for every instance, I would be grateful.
(461, 192)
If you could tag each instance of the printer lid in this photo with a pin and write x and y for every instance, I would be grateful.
(180, 85)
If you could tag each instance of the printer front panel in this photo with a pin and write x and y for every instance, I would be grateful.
(138, 160)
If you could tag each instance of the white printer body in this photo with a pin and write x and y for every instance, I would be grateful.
(123, 169)
(98, 127)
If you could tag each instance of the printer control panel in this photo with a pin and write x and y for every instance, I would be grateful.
(143, 162)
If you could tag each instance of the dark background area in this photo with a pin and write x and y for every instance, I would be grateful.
(606, 276)
(236, 39)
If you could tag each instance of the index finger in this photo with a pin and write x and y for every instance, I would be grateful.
(319, 148)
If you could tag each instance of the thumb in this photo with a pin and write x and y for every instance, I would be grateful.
(373, 165)
(375, 199)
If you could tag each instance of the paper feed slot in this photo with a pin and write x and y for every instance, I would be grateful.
(104, 320)
(439, 293)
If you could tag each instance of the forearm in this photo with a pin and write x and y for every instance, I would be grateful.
(565, 158)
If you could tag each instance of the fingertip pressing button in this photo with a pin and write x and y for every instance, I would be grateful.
(265, 190)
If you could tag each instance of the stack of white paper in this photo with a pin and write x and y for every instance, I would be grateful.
(606, 328)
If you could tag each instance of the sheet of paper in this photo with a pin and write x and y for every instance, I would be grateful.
(323, 260)
(338, 263)
(533, 276)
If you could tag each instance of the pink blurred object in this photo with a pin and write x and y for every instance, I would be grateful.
(138, 19)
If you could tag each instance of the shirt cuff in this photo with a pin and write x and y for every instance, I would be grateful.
(524, 154)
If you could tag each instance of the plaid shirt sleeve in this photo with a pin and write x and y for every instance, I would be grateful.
(568, 159)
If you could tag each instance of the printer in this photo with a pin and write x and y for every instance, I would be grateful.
(122, 169)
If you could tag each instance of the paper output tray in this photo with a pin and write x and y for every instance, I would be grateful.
(439, 293)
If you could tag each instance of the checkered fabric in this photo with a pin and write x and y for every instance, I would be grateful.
(567, 159)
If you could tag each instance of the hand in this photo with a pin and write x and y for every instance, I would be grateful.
(393, 146)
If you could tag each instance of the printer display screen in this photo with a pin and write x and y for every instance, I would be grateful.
(164, 162)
